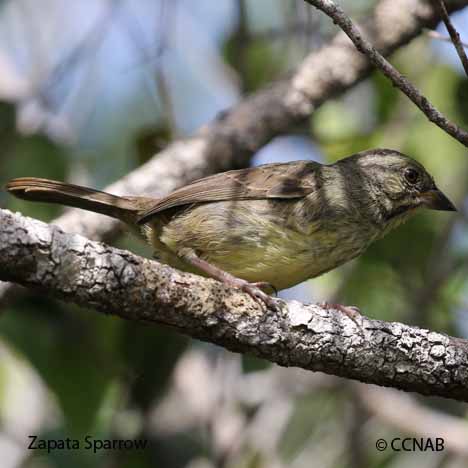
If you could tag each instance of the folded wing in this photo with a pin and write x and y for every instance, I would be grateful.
(281, 180)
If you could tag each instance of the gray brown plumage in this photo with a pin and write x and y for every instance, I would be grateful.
(277, 223)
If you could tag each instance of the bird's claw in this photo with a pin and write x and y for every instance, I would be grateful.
(352, 312)
(265, 285)
(262, 298)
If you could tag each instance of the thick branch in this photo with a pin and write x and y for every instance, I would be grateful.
(231, 139)
(117, 282)
(339, 17)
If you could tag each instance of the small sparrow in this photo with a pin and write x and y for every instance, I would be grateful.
(274, 225)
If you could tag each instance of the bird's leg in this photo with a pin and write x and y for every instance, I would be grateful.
(252, 289)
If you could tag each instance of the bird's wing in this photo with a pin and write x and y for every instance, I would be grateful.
(279, 180)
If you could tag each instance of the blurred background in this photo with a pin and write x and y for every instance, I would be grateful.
(90, 90)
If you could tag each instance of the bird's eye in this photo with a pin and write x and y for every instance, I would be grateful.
(411, 175)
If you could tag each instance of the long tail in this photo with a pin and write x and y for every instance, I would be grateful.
(51, 191)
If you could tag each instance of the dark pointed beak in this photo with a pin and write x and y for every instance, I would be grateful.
(435, 200)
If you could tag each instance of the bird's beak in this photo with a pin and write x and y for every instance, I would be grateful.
(434, 199)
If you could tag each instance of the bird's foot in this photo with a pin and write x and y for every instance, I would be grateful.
(352, 312)
(262, 298)
(255, 292)
(265, 285)
(252, 289)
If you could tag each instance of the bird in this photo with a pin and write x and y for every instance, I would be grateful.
(269, 227)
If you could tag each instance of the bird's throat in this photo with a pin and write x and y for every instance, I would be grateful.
(399, 211)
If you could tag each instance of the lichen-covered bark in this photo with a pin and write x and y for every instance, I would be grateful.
(117, 282)
(232, 138)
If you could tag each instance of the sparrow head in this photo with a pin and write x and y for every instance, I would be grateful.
(397, 184)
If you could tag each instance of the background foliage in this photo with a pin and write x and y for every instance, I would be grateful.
(89, 90)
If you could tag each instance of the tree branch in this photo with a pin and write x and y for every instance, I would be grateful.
(339, 17)
(114, 281)
(234, 136)
(453, 33)
(441, 37)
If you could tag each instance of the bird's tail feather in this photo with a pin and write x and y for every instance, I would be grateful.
(52, 191)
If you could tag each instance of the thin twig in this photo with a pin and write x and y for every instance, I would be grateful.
(339, 17)
(235, 135)
(156, 73)
(441, 37)
(89, 44)
(242, 39)
(440, 5)
(275, 33)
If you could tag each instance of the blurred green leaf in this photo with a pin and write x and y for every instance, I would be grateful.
(71, 352)
(150, 353)
(386, 97)
(258, 63)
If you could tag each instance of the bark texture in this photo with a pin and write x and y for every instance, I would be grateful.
(233, 137)
(236, 134)
(113, 281)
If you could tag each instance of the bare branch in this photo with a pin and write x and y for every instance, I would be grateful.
(453, 33)
(118, 282)
(233, 137)
(441, 37)
(339, 17)
(89, 44)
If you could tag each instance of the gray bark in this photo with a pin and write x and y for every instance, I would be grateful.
(113, 281)
(233, 137)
